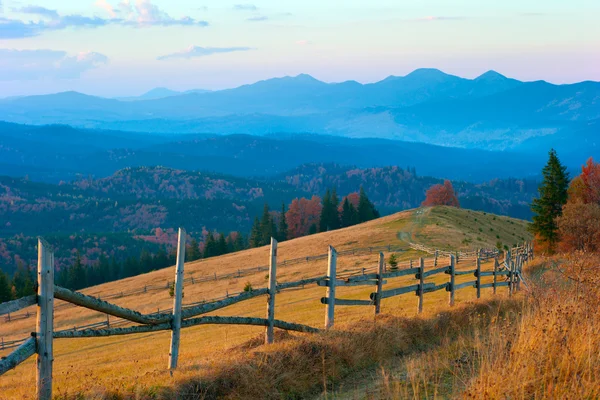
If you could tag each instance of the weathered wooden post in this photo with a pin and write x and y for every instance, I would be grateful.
(478, 276)
(507, 258)
(457, 259)
(379, 284)
(331, 274)
(421, 283)
(435, 258)
(45, 320)
(519, 265)
(271, 293)
(178, 296)
(452, 276)
(495, 273)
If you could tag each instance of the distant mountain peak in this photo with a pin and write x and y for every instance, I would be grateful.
(427, 73)
(491, 75)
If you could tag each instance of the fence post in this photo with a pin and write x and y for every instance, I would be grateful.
(178, 295)
(478, 277)
(457, 259)
(507, 258)
(435, 259)
(379, 284)
(271, 293)
(495, 272)
(518, 266)
(421, 279)
(45, 320)
(331, 274)
(452, 275)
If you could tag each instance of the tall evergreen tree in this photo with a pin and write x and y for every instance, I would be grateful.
(221, 245)
(255, 234)
(267, 227)
(210, 246)
(5, 292)
(552, 197)
(76, 275)
(23, 281)
(282, 230)
(325, 211)
(349, 215)
(193, 251)
(239, 243)
(334, 215)
(366, 209)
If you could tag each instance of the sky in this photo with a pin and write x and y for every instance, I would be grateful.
(127, 47)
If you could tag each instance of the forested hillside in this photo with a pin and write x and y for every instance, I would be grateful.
(139, 209)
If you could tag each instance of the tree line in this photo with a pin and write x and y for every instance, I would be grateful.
(302, 217)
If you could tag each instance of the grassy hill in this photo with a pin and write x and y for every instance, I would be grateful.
(121, 363)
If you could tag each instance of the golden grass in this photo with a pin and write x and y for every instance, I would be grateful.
(133, 363)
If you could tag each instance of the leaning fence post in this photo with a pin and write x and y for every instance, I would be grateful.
(331, 274)
(45, 320)
(495, 273)
(452, 275)
(379, 284)
(178, 295)
(271, 293)
(478, 277)
(421, 279)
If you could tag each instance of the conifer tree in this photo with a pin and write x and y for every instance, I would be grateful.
(22, 281)
(267, 227)
(5, 292)
(366, 209)
(193, 251)
(210, 246)
(325, 210)
(221, 245)
(282, 230)
(255, 234)
(239, 243)
(349, 215)
(552, 197)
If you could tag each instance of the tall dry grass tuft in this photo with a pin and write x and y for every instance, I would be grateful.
(300, 366)
(554, 350)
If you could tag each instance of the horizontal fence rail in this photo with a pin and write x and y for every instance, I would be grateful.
(119, 320)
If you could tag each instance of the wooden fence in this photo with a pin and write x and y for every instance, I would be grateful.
(41, 341)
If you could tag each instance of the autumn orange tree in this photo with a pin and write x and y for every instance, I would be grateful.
(579, 224)
(441, 195)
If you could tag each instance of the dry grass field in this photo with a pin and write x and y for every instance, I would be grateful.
(138, 363)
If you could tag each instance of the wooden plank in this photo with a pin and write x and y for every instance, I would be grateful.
(487, 285)
(465, 284)
(436, 271)
(379, 284)
(330, 294)
(398, 291)
(469, 272)
(506, 283)
(364, 277)
(177, 300)
(45, 321)
(208, 307)
(347, 302)
(93, 303)
(402, 272)
(303, 282)
(435, 288)
(206, 320)
(271, 293)
(339, 282)
(19, 304)
(20, 354)
(451, 280)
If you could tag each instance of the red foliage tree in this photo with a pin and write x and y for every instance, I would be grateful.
(301, 215)
(441, 195)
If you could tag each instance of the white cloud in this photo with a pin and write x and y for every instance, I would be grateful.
(258, 18)
(196, 51)
(139, 14)
(245, 7)
(50, 64)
